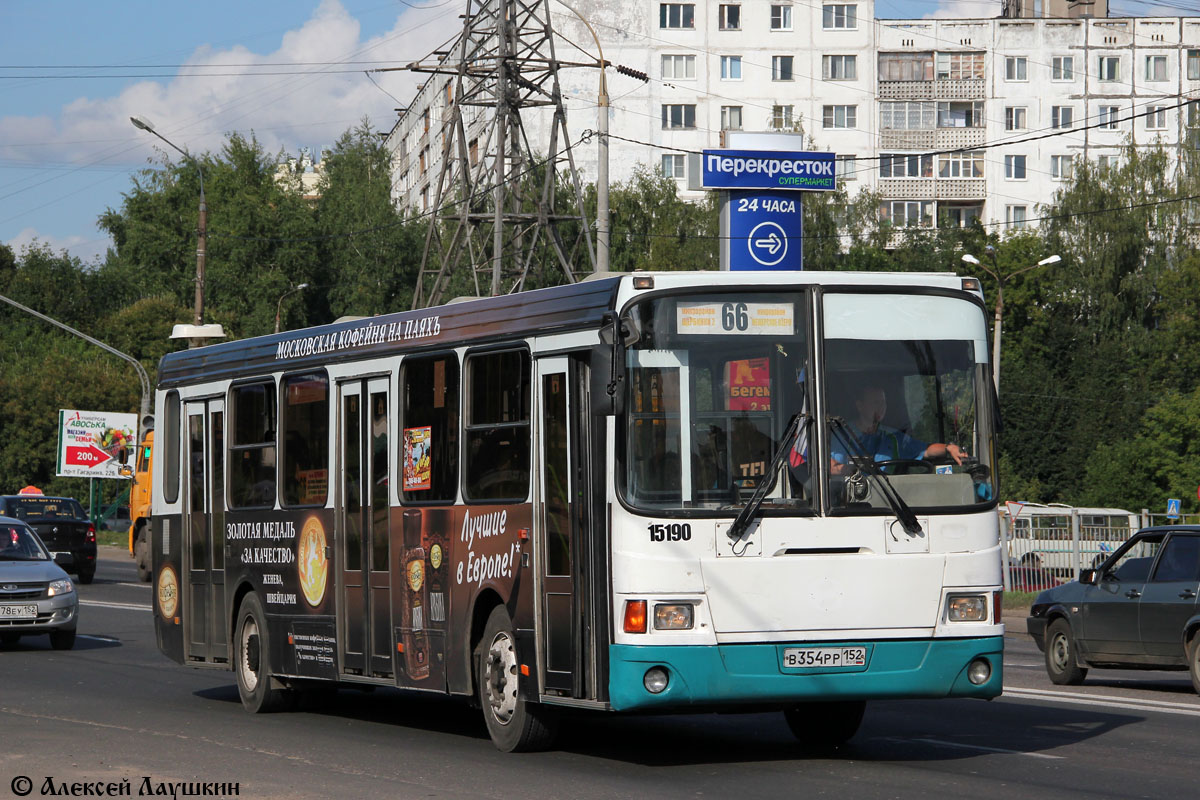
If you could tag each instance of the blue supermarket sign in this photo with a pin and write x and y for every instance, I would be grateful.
(765, 169)
(764, 230)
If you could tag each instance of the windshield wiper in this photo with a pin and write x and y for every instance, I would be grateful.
(903, 513)
(742, 521)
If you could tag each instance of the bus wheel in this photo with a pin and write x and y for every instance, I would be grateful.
(1061, 656)
(514, 723)
(141, 554)
(825, 725)
(253, 666)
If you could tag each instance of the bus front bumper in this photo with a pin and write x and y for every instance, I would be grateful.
(722, 676)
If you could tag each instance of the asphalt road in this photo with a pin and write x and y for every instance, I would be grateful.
(113, 709)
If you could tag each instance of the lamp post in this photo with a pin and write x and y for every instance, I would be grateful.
(602, 212)
(202, 226)
(279, 305)
(994, 271)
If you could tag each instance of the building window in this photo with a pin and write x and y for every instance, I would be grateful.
(1108, 162)
(673, 165)
(839, 68)
(839, 16)
(473, 151)
(1193, 114)
(1156, 118)
(678, 116)
(731, 68)
(904, 165)
(908, 213)
(1014, 168)
(730, 17)
(423, 159)
(781, 117)
(1193, 65)
(906, 66)
(1015, 216)
(960, 216)
(1062, 117)
(425, 119)
(1016, 68)
(676, 15)
(846, 168)
(839, 116)
(781, 18)
(781, 68)
(1014, 118)
(1062, 68)
(678, 67)
(961, 165)
(1060, 167)
(425, 198)
(960, 66)
(1156, 68)
(907, 115)
(1108, 117)
(731, 118)
(960, 114)
(1110, 68)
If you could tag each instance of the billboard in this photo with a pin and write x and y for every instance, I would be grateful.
(95, 444)
(758, 169)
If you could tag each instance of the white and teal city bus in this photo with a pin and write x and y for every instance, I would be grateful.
(649, 492)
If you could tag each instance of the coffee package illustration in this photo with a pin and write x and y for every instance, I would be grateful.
(414, 636)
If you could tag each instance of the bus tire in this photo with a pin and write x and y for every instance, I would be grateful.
(1061, 656)
(514, 723)
(253, 666)
(141, 553)
(825, 725)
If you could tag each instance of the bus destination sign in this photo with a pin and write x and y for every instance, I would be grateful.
(766, 169)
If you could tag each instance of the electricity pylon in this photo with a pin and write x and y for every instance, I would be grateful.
(494, 211)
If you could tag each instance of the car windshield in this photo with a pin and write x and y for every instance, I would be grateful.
(46, 508)
(18, 543)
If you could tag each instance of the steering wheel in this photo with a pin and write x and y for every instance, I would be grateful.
(905, 466)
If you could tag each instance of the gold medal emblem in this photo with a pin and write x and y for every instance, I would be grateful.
(435, 556)
(416, 574)
(168, 592)
(311, 562)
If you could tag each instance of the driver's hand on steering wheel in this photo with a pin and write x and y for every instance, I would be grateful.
(956, 452)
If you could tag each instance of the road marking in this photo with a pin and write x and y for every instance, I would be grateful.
(978, 747)
(1164, 706)
(139, 585)
(98, 638)
(126, 606)
(1038, 665)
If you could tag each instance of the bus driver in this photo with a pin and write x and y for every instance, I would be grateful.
(883, 442)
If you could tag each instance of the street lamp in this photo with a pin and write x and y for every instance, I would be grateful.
(602, 213)
(279, 305)
(200, 331)
(994, 271)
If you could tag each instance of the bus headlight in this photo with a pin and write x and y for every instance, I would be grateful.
(672, 617)
(966, 608)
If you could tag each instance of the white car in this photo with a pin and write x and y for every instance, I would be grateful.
(36, 595)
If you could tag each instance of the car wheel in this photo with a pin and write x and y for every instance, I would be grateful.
(825, 725)
(1061, 658)
(62, 640)
(514, 723)
(141, 555)
(87, 576)
(253, 666)
(1194, 660)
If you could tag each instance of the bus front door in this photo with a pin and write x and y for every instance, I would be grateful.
(565, 553)
(206, 628)
(364, 610)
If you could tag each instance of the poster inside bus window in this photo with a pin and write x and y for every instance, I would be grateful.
(749, 382)
(735, 317)
(418, 472)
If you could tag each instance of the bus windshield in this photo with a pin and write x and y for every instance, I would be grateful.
(713, 383)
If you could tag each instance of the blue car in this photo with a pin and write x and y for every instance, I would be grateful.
(1137, 610)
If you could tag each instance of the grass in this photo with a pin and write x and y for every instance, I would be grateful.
(116, 538)
(1019, 599)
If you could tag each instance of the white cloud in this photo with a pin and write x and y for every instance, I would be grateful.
(311, 108)
(88, 250)
(965, 9)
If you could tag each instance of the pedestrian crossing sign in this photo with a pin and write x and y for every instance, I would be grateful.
(1173, 508)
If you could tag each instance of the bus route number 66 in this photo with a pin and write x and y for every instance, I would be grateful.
(673, 532)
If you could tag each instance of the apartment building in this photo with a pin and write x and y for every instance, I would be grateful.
(1020, 98)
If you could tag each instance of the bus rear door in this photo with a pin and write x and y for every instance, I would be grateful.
(204, 554)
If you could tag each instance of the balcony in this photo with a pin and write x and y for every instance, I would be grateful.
(933, 188)
(939, 139)
(932, 90)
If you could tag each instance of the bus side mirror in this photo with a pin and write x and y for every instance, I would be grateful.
(125, 471)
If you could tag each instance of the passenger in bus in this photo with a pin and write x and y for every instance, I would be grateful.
(883, 442)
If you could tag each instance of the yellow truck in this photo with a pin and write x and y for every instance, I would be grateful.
(139, 507)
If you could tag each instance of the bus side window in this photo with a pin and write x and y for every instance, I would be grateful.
(429, 429)
(305, 421)
(497, 429)
(252, 445)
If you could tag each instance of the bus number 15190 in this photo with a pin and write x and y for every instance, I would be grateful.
(674, 532)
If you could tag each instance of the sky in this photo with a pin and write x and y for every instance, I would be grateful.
(293, 73)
